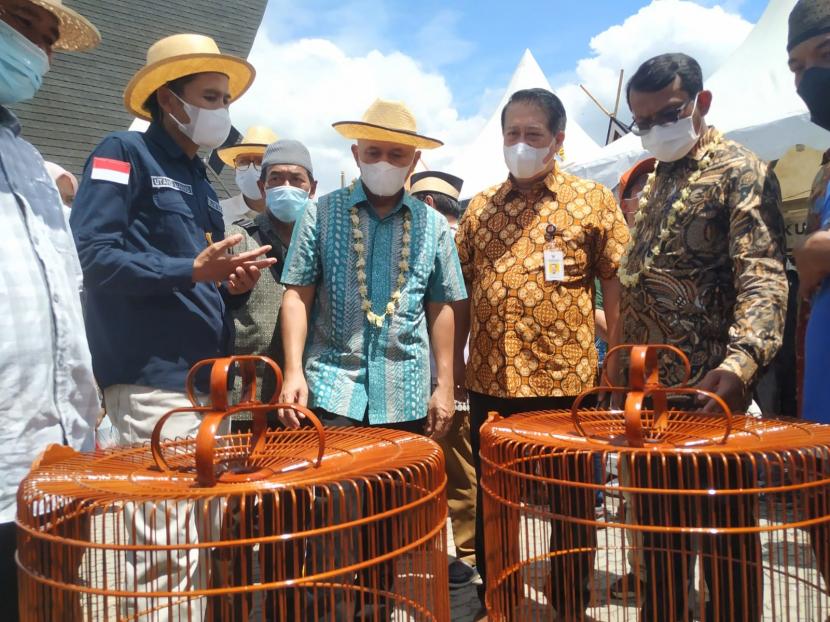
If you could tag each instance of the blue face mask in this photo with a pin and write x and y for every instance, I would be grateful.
(286, 203)
(22, 66)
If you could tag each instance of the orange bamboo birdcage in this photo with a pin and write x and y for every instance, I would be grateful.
(655, 512)
(311, 524)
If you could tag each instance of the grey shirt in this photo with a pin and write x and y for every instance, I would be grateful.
(257, 322)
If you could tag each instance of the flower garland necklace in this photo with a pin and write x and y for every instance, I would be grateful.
(362, 287)
(678, 209)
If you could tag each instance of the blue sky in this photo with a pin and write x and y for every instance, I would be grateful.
(475, 44)
(320, 61)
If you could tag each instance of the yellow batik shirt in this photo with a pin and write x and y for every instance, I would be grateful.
(716, 286)
(530, 337)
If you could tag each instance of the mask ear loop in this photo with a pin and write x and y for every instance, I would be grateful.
(557, 151)
(694, 107)
(186, 105)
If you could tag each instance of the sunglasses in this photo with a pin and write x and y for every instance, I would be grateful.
(664, 117)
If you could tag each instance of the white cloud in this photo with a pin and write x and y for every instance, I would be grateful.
(709, 34)
(442, 43)
(303, 86)
(732, 6)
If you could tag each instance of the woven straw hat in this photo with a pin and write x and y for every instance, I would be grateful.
(255, 140)
(436, 181)
(387, 121)
(182, 55)
(76, 32)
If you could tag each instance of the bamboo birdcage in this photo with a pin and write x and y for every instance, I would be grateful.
(656, 512)
(334, 524)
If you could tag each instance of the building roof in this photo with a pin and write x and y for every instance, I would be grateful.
(82, 95)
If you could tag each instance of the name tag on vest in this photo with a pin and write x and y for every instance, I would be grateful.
(166, 182)
(214, 205)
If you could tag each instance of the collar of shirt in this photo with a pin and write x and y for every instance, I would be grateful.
(9, 120)
(508, 188)
(158, 135)
(358, 197)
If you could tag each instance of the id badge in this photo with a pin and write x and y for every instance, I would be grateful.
(554, 265)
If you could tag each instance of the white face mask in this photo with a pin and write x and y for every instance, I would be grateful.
(207, 128)
(524, 161)
(383, 179)
(669, 143)
(248, 182)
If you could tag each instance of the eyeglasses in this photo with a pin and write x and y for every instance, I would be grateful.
(665, 117)
(244, 166)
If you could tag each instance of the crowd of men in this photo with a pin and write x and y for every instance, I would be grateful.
(384, 302)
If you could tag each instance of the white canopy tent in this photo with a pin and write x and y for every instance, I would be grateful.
(754, 102)
(481, 165)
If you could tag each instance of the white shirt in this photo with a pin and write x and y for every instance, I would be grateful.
(235, 208)
(46, 380)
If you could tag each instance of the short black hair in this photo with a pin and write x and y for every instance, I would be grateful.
(659, 72)
(549, 103)
(443, 203)
(177, 86)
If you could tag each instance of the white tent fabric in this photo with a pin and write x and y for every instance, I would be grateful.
(481, 164)
(754, 102)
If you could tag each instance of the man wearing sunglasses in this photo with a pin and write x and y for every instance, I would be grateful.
(704, 272)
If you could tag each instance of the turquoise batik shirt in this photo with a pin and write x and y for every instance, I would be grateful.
(351, 365)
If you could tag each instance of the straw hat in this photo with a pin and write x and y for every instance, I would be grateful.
(256, 139)
(387, 121)
(177, 56)
(436, 181)
(76, 32)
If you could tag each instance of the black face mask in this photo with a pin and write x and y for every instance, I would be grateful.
(814, 89)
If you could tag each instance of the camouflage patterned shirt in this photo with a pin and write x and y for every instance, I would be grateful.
(717, 288)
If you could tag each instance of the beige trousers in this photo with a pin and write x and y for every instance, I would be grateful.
(634, 538)
(134, 411)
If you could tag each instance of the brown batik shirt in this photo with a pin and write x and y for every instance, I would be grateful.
(717, 288)
(530, 337)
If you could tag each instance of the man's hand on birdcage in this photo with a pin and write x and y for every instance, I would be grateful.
(440, 412)
(727, 386)
(294, 391)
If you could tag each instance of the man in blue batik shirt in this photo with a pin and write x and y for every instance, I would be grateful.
(375, 270)
(370, 276)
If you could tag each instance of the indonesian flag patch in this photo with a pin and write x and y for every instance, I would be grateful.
(115, 171)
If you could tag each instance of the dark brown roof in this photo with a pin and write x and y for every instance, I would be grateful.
(81, 99)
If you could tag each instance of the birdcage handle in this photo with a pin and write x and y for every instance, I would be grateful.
(644, 367)
(155, 437)
(206, 442)
(220, 369)
(633, 411)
